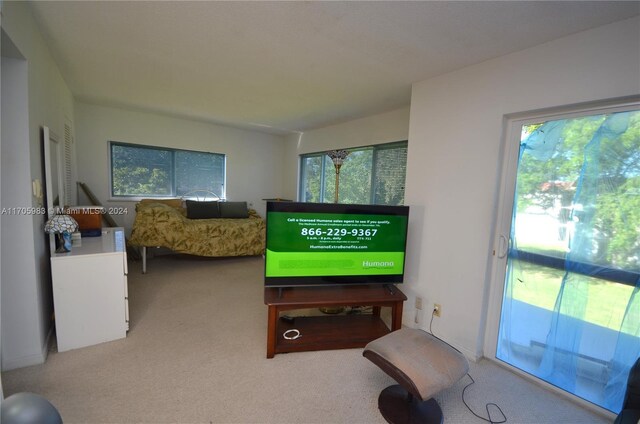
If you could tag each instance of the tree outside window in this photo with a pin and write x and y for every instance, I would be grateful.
(369, 175)
(146, 171)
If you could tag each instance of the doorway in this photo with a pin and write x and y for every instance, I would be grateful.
(568, 255)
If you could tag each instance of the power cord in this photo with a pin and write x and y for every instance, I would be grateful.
(489, 420)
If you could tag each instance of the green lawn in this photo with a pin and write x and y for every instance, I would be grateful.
(606, 302)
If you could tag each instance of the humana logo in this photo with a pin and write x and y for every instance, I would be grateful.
(376, 264)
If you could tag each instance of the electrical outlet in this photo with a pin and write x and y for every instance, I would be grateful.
(419, 303)
(437, 309)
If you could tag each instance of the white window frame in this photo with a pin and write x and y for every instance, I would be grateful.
(512, 127)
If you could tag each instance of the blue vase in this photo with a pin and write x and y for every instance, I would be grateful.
(67, 241)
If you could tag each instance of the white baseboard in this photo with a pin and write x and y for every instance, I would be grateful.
(29, 360)
(23, 361)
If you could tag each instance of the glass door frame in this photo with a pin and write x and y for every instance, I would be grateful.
(509, 151)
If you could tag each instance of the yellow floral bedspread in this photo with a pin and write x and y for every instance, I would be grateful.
(160, 225)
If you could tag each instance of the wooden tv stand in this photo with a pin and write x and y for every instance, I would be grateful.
(330, 331)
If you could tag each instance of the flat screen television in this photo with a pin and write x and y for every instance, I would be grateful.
(332, 244)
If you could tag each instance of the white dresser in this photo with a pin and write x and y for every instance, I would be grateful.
(90, 293)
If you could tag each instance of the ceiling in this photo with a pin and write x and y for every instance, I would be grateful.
(282, 67)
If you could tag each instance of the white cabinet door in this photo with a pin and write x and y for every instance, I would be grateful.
(90, 303)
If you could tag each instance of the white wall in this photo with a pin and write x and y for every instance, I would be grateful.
(254, 159)
(377, 129)
(454, 158)
(26, 285)
(18, 263)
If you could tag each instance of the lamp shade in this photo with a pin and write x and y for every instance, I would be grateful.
(338, 156)
(61, 224)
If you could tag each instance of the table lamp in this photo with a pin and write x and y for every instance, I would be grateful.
(62, 226)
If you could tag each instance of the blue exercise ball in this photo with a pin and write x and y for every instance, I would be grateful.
(28, 408)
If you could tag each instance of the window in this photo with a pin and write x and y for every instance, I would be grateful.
(570, 314)
(147, 171)
(372, 174)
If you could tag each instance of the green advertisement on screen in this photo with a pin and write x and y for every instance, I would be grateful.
(321, 241)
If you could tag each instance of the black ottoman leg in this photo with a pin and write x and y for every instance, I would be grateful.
(398, 406)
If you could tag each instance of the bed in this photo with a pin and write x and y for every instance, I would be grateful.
(195, 227)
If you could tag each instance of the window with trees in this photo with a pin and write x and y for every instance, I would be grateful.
(148, 171)
(570, 308)
(369, 175)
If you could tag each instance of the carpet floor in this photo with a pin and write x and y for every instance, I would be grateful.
(196, 353)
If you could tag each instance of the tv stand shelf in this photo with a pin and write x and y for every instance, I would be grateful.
(330, 331)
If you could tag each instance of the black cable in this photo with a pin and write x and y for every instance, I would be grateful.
(433, 314)
(489, 420)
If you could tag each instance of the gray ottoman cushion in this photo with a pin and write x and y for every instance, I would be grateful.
(420, 362)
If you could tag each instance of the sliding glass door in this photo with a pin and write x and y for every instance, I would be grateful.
(570, 308)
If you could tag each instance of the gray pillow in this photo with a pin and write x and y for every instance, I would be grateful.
(233, 210)
(202, 210)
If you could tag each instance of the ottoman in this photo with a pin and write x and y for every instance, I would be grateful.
(423, 365)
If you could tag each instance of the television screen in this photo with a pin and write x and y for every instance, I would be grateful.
(327, 244)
